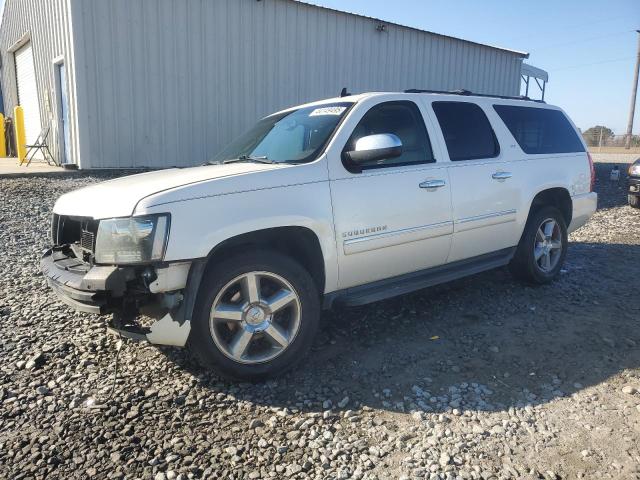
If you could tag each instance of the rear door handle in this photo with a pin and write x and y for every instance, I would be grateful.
(501, 175)
(433, 184)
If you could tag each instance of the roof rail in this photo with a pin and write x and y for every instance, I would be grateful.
(468, 93)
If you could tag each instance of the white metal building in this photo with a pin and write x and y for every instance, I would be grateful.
(159, 83)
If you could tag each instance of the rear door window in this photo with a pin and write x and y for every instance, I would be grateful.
(540, 130)
(467, 131)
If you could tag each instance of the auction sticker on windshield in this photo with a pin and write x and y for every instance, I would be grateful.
(328, 111)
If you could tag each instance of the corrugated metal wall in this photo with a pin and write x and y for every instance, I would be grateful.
(158, 83)
(46, 24)
(169, 82)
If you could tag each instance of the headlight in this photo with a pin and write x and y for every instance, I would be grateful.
(132, 239)
(635, 170)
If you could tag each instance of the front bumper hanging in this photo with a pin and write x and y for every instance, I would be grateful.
(108, 289)
(84, 288)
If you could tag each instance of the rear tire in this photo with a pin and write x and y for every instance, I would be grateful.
(542, 248)
(634, 201)
(256, 316)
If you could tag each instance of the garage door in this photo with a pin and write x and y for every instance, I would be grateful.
(28, 92)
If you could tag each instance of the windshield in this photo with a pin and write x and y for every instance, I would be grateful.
(291, 137)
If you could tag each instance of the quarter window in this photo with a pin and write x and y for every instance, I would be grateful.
(540, 130)
(401, 118)
(467, 131)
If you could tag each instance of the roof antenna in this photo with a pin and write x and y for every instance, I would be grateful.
(344, 92)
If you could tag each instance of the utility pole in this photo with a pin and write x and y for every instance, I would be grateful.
(634, 91)
(600, 140)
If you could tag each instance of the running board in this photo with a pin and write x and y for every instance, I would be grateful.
(410, 282)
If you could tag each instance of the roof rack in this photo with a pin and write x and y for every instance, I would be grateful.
(469, 93)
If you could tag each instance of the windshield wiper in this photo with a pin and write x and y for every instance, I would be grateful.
(249, 158)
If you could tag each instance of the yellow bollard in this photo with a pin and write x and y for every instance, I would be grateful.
(21, 142)
(3, 147)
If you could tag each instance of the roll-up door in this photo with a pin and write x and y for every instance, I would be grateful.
(28, 92)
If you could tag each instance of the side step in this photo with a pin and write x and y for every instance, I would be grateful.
(411, 282)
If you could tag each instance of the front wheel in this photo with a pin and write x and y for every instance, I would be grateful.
(542, 248)
(256, 315)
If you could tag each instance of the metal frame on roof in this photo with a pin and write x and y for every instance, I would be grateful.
(528, 72)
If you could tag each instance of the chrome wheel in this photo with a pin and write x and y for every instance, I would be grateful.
(548, 245)
(255, 317)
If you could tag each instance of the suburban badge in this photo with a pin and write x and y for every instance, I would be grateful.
(364, 231)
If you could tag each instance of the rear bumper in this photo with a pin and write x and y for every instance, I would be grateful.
(584, 206)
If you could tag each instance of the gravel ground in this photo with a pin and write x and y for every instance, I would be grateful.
(479, 378)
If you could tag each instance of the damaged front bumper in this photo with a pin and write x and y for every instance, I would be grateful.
(84, 288)
(165, 293)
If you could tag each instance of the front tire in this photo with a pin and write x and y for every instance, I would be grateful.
(634, 201)
(256, 316)
(542, 248)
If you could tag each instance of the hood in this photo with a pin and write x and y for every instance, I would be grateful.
(119, 197)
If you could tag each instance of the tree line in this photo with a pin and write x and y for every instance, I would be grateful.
(601, 135)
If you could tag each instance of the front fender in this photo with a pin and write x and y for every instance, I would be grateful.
(199, 225)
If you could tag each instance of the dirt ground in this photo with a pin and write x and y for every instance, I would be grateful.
(479, 378)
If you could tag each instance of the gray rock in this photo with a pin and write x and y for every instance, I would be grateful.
(256, 423)
(293, 435)
(36, 361)
(609, 341)
(42, 390)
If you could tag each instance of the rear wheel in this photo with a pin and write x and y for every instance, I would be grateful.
(256, 316)
(543, 247)
(634, 201)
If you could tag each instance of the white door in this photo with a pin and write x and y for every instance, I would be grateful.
(484, 186)
(388, 221)
(28, 92)
(65, 136)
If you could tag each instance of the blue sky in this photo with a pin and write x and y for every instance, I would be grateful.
(587, 46)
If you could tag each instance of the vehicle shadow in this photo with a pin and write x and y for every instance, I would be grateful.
(520, 344)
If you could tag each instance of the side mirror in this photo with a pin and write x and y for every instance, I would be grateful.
(374, 147)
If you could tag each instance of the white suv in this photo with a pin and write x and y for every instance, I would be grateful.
(348, 200)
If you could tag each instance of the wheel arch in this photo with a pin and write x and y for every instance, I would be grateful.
(298, 242)
(558, 197)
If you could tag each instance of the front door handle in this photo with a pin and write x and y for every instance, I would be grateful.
(433, 184)
(501, 175)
